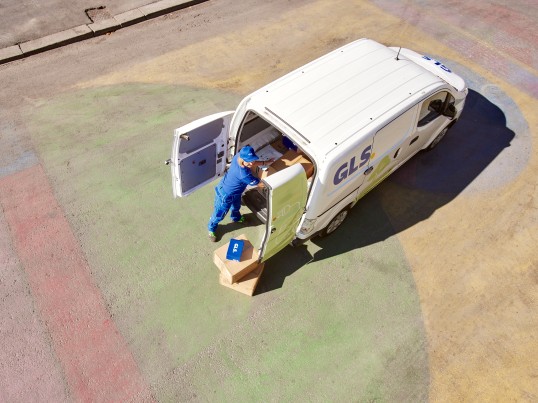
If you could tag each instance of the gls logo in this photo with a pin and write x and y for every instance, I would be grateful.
(348, 169)
(437, 63)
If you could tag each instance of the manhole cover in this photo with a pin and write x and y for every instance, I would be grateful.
(97, 14)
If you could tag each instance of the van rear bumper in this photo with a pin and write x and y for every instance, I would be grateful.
(298, 242)
(301, 241)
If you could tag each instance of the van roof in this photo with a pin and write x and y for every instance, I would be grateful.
(332, 98)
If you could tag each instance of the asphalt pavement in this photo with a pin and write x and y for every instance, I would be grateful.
(29, 27)
(108, 290)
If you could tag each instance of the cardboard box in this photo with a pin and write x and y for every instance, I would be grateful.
(288, 159)
(232, 270)
(277, 145)
(246, 285)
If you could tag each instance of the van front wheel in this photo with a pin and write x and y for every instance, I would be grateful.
(437, 139)
(335, 222)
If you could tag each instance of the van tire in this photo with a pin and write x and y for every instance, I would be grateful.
(437, 140)
(335, 223)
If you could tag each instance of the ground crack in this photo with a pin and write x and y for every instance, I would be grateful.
(97, 14)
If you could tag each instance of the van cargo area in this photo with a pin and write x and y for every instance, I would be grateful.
(269, 143)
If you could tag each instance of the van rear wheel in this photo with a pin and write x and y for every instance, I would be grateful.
(335, 223)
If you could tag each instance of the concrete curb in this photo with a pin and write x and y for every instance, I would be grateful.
(83, 32)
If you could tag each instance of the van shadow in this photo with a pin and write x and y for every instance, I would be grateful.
(422, 185)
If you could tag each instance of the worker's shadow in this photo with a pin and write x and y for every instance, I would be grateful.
(225, 229)
(413, 193)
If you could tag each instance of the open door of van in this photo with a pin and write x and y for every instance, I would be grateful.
(286, 193)
(199, 152)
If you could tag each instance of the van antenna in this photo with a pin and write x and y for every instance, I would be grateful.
(398, 53)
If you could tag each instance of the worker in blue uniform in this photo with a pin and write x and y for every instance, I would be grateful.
(229, 190)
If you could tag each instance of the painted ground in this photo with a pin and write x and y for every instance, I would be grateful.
(427, 292)
(359, 308)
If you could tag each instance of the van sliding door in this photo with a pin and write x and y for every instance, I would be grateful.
(390, 147)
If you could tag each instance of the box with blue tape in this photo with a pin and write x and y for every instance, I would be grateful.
(235, 249)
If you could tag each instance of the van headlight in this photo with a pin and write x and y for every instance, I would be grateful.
(307, 226)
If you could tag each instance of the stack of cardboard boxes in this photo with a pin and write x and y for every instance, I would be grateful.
(242, 275)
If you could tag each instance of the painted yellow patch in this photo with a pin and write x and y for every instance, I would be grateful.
(236, 70)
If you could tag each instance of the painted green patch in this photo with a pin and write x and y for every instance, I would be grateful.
(338, 319)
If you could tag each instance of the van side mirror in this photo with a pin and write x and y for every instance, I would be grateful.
(450, 111)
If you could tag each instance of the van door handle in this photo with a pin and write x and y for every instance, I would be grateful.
(367, 172)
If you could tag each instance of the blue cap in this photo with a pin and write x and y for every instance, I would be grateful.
(247, 154)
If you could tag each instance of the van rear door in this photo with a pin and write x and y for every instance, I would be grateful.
(199, 152)
(286, 193)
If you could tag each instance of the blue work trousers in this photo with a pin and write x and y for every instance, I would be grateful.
(223, 202)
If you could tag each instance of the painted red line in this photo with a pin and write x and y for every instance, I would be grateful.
(29, 370)
(97, 361)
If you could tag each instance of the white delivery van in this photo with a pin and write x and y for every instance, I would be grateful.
(355, 115)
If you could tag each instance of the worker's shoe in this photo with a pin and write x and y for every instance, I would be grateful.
(242, 220)
(212, 236)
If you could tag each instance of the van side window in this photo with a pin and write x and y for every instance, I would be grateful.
(433, 107)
